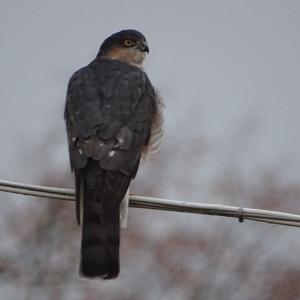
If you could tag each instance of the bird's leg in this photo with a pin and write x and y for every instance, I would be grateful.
(124, 210)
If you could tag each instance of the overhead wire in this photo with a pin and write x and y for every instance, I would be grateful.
(241, 213)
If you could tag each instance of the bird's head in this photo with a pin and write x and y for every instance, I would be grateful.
(126, 45)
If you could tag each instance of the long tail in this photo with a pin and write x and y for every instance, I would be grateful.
(102, 194)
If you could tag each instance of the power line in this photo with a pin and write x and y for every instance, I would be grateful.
(259, 215)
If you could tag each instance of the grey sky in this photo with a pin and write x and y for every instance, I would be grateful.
(216, 63)
(229, 74)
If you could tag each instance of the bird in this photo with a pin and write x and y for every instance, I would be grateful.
(113, 117)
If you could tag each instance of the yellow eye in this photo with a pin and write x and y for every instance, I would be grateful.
(128, 43)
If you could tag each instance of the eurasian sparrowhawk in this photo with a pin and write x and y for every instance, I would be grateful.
(112, 117)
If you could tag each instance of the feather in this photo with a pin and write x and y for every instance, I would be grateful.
(109, 112)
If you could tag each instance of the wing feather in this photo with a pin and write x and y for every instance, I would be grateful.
(109, 111)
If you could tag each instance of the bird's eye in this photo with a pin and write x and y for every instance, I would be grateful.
(128, 43)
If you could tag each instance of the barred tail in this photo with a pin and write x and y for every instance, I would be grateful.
(102, 194)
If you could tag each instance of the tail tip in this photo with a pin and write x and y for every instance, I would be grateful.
(105, 270)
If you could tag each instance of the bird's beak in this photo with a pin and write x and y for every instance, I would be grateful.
(142, 46)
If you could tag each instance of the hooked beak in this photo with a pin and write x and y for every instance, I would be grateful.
(142, 46)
